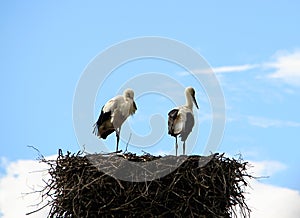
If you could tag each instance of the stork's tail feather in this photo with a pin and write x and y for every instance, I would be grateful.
(103, 131)
(96, 129)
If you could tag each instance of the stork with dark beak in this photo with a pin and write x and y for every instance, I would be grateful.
(181, 119)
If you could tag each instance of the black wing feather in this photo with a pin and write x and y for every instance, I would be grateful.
(171, 121)
(103, 117)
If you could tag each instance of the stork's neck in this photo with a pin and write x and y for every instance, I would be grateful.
(189, 101)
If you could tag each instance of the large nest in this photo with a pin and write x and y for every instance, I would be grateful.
(96, 186)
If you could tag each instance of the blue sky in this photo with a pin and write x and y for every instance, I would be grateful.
(253, 47)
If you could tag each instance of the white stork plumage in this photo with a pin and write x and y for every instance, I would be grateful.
(113, 115)
(181, 119)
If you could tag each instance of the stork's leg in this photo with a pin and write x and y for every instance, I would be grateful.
(118, 138)
(184, 148)
(176, 145)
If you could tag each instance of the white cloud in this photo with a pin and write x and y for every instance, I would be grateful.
(273, 202)
(22, 176)
(270, 201)
(287, 67)
(265, 122)
(231, 69)
(222, 69)
(266, 168)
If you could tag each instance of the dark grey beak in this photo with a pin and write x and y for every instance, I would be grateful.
(194, 99)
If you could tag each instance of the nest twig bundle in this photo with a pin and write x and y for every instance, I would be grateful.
(213, 188)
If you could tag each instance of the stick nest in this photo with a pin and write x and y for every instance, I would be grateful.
(192, 186)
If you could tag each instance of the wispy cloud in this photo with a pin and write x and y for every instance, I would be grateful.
(236, 68)
(223, 69)
(266, 122)
(286, 66)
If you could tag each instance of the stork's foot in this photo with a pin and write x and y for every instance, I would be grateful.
(119, 151)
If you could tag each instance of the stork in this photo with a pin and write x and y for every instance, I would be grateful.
(181, 119)
(113, 114)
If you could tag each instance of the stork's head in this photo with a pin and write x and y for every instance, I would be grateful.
(128, 93)
(191, 91)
